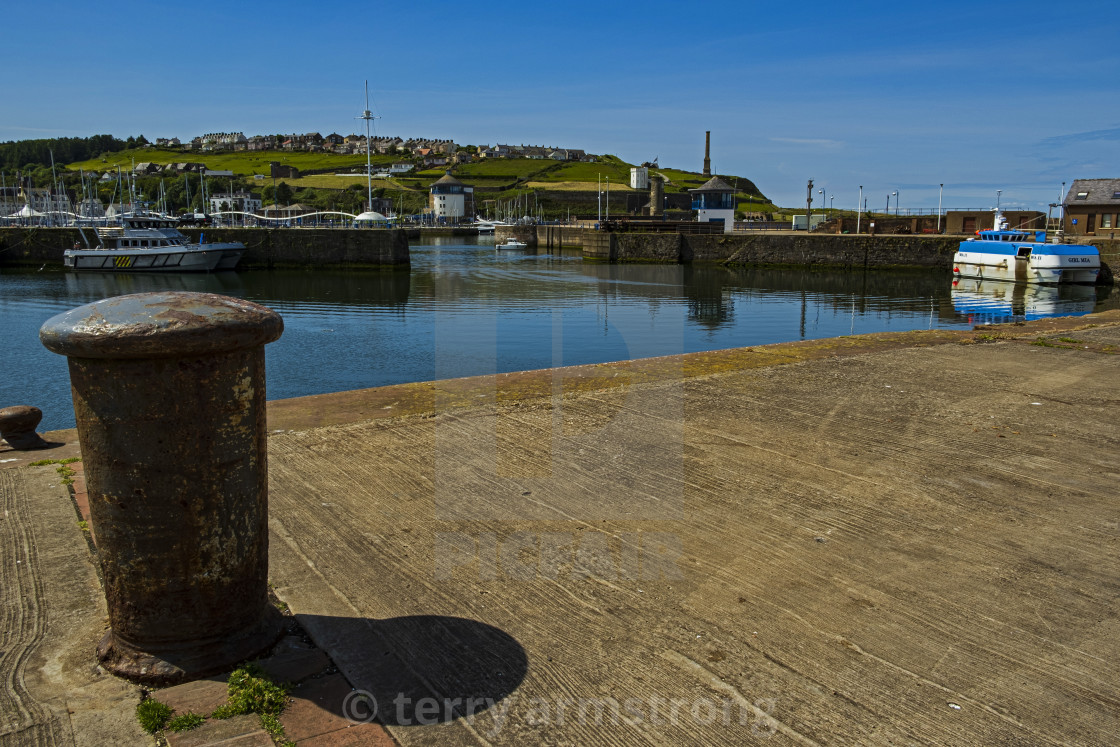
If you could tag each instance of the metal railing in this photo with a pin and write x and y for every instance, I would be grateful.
(912, 212)
(763, 225)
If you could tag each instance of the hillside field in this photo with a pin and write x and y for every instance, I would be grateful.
(493, 179)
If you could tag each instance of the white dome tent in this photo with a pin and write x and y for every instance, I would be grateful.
(27, 212)
(370, 216)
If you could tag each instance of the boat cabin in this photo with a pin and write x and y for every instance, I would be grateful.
(145, 221)
(1004, 235)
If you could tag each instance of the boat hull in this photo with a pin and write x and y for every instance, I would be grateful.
(231, 253)
(181, 259)
(151, 243)
(1041, 263)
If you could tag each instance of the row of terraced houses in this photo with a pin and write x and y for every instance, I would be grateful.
(353, 144)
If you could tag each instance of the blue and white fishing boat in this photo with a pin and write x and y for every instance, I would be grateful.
(1024, 256)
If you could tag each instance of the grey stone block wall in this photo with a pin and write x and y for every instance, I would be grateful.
(264, 248)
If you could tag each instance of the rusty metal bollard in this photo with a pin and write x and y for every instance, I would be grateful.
(17, 427)
(169, 397)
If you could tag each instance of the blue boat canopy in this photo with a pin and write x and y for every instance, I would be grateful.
(1011, 249)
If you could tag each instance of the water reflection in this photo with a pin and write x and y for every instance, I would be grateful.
(999, 301)
(98, 285)
(465, 308)
(319, 286)
(334, 287)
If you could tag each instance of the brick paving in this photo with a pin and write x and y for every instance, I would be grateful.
(313, 715)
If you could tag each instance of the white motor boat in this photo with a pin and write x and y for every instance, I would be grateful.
(151, 243)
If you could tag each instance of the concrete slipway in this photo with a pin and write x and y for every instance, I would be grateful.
(887, 539)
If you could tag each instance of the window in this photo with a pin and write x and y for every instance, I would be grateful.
(1082, 196)
(1106, 220)
(1116, 195)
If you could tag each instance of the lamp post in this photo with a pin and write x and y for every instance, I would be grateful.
(1062, 199)
(809, 206)
(830, 199)
(888, 211)
(859, 206)
(608, 214)
(941, 189)
(599, 195)
(895, 202)
(821, 193)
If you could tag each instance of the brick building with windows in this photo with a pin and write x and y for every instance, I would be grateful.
(1092, 207)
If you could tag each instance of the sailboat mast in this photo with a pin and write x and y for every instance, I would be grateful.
(369, 174)
(368, 117)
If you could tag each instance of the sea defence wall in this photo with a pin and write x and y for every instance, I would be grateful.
(1110, 256)
(309, 247)
(554, 237)
(822, 249)
(418, 232)
(545, 236)
(264, 248)
(35, 247)
(785, 249)
(798, 250)
(525, 234)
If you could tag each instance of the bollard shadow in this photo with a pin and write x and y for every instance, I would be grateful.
(421, 670)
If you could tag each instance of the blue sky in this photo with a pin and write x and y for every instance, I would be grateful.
(980, 96)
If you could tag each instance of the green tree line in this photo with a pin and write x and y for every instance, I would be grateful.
(19, 154)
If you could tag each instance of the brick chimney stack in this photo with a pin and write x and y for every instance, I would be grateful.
(707, 153)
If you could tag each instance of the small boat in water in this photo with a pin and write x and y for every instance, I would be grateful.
(511, 243)
(1024, 256)
(152, 243)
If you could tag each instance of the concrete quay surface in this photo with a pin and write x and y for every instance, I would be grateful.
(892, 538)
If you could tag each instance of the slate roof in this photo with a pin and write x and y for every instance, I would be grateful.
(1101, 192)
(715, 184)
(446, 179)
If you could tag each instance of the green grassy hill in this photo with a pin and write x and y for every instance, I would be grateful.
(561, 187)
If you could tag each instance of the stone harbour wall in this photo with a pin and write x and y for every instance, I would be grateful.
(35, 247)
(308, 247)
(826, 250)
(797, 250)
(264, 248)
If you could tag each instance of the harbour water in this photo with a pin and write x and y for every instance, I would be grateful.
(466, 309)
